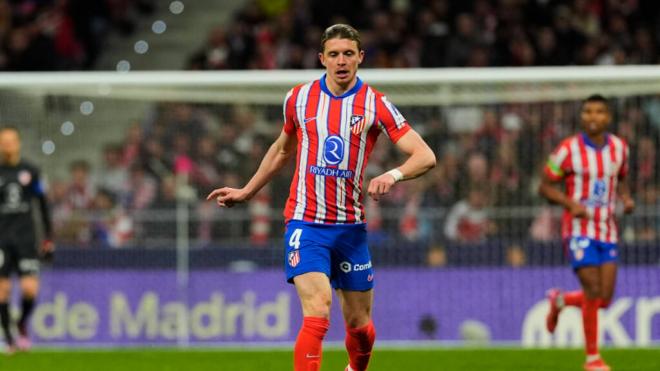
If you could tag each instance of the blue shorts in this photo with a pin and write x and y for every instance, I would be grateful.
(585, 252)
(339, 251)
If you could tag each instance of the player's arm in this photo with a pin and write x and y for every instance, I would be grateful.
(624, 193)
(420, 160)
(47, 246)
(277, 156)
(549, 188)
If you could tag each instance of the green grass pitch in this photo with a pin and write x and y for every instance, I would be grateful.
(333, 360)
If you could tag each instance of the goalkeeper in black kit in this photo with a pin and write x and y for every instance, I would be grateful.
(21, 195)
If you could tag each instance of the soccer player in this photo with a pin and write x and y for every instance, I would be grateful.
(332, 124)
(593, 164)
(20, 186)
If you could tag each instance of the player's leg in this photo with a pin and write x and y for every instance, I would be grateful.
(360, 331)
(315, 297)
(7, 265)
(608, 274)
(590, 279)
(307, 266)
(29, 291)
(5, 320)
(353, 277)
(28, 271)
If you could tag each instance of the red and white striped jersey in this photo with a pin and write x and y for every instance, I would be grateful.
(591, 174)
(335, 135)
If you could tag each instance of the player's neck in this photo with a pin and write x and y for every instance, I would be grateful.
(337, 89)
(597, 139)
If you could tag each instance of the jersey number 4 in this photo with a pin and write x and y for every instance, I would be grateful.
(294, 240)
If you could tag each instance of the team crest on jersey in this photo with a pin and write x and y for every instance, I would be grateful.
(24, 177)
(294, 258)
(357, 124)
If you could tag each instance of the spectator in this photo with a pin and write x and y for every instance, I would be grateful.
(468, 220)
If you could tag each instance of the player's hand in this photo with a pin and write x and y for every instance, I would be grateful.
(228, 197)
(628, 205)
(46, 250)
(578, 210)
(380, 185)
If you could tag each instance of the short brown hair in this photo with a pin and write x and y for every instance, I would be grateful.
(340, 31)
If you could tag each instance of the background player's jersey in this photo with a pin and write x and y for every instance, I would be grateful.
(335, 137)
(591, 175)
(20, 186)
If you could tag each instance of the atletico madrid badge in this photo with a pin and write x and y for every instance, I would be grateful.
(294, 258)
(357, 124)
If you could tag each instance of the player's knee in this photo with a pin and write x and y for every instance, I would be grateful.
(318, 307)
(357, 319)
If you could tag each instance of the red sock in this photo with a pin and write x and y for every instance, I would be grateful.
(574, 298)
(359, 342)
(590, 323)
(309, 344)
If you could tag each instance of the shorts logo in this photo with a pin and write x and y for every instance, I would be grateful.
(370, 277)
(345, 267)
(333, 150)
(578, 254)
(613, 253)
(294, 258)
(24, 177)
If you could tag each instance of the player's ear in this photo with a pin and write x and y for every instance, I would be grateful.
(360, 56)
(322, 59)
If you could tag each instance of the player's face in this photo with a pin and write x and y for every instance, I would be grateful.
(10, 143)
(341, 58)
(595, 117)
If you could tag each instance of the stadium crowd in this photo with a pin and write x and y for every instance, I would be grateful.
(53, 35)
(489, 157)
(439, 33)
(483, 187)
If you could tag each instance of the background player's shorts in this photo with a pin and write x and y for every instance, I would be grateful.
(339, 251)
(585, 252)
(22, 258)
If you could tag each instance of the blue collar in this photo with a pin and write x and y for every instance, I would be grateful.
(593, 145)
(353, 90)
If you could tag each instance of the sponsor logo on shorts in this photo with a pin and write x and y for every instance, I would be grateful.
(613, 253)
(294, 258)
(346, 267)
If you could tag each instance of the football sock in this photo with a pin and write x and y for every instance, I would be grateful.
(359, 342)
(27, 305)
(309, 344)
(4, 319)
(574, 298)
(590, 323)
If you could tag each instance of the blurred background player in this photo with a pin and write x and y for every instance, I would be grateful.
(334, 122)
(593, 164)
(20, 186)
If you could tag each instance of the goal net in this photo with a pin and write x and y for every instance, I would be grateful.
(462, 255)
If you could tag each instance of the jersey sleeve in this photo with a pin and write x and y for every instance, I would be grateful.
(390, 120)
(558, 164)
(289, 110)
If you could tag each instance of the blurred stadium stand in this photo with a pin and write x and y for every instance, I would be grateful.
(114, 185)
